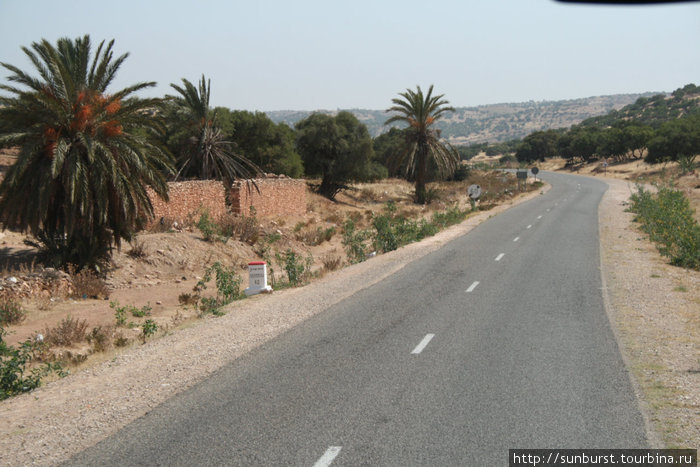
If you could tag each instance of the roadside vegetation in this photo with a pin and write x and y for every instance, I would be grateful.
(666, 216)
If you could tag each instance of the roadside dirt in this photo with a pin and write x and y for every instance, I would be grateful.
(655, 310)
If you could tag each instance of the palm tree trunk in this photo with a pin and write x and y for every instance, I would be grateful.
(421, 169)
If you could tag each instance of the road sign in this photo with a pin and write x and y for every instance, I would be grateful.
(521, 174)
(534, 170)
(474, 191)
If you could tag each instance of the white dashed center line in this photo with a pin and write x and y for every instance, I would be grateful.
(328, 456)
(473, 286)
(529, 226)
(419, 348)
(516, 239)
(499, 257)
(539, 217)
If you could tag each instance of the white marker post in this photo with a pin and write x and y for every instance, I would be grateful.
(257, 278)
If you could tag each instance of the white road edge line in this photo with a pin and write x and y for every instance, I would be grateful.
(419, 348)
(473, 286)
(516, 239)
(498, 258)
(328, 456)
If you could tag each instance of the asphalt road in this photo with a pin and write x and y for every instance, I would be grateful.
(498, 340)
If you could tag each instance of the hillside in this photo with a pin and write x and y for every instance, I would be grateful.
(495, 122)
(653, 111)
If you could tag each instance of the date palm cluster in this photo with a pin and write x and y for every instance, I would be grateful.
(85, 157)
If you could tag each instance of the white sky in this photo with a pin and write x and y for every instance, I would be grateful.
(328, 54)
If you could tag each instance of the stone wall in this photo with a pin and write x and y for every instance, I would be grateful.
(276, 196)
(188, 199)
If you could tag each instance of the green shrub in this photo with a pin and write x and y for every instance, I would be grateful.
(15, 376)
(208, 227)
(228, 286)
(668, 220)
(354, 242)
(452, 216)
(297, 270)
(121, 311)
(148, 328)
(392, 231)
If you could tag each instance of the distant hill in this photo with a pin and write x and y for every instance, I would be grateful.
(495, 122)
(655, 110)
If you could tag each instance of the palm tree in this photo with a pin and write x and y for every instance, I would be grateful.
(86, 156)
(422, 142)
(205, 153)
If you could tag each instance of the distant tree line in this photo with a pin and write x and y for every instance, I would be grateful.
(657, 129)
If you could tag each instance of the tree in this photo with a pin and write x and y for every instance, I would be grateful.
(268, 145)
(638, 137)
(579, 144)
(613, 143)
(422, 141)
(676, 139)
(538, 145)
(86, 156)
(204, 152)
(386, 146)
(338, 149)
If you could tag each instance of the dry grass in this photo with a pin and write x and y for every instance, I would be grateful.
(11, 311)
(87, 284)
(331, 261)
(138, 250)
(68, 332)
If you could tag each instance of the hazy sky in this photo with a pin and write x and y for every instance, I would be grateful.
(327, 54)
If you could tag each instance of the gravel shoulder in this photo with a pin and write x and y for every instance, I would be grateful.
(655, 311)
(657, 330)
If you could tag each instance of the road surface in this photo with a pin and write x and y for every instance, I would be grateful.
(498, 340)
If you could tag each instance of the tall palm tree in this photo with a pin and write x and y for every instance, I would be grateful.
(86, 156)
(422, 141)
(205, 153)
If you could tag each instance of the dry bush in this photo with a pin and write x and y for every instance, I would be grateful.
(368, 195)
(245, 229)
(67, 332)
(99, 338)
(120, 340)
(188, 298)
(11, 311)
(138, 250)
(44, 303)
(87, 284)
(334, 218)
(298, 226)
(331, 262)
(355, 216)
(315, 237)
